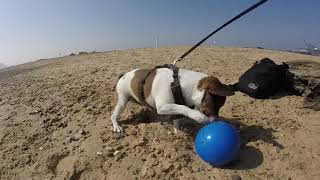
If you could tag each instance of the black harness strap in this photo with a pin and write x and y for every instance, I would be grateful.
(175, 85)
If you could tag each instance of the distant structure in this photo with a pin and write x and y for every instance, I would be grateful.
(309, 49)
(2, 66)
(157, 41)
(313, 50)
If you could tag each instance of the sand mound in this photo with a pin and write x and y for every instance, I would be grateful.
(55, 122)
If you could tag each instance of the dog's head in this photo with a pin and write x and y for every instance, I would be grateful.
(214, 97)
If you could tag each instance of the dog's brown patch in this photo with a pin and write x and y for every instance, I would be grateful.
(211, 104)
(214, 86)
(136, 81)
(214, 97)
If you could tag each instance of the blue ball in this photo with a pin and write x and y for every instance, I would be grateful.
(217, 143)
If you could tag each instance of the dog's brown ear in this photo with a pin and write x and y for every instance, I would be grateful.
(214, 86)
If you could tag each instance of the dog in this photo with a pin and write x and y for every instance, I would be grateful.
(203, 95)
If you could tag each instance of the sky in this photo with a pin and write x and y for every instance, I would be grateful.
(34, 29)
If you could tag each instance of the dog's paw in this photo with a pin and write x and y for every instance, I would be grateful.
(176, 130)
(199, 117)
(117, 128)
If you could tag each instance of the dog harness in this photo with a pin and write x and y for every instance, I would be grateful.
(175, 85)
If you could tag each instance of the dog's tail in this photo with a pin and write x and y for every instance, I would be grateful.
(115, 84)
(120, 75)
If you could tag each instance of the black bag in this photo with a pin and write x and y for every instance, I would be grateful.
(263, 79)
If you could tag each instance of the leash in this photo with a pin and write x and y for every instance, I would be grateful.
(221, 27)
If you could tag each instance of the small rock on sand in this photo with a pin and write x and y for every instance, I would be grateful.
(67, 140)
(166, 167)
(77, 137)
(235, 177)
(131, 131)
(109, 149)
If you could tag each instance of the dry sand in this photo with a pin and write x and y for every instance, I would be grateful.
(55, 122)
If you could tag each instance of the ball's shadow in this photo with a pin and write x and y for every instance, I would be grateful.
(251, 157)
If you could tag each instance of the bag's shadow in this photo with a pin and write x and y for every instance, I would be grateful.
(283, 93)
(249, 157)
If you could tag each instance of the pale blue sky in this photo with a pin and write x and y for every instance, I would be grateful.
(33, 29)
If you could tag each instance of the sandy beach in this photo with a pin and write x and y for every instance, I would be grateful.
(55, 121)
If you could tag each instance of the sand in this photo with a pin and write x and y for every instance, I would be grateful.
(55, 122)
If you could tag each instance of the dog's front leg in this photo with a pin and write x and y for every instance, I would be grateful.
(175, 109)
(176, 125)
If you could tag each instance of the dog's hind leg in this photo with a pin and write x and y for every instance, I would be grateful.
(122, 101)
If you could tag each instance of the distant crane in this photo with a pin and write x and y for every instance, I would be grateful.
(157, 41)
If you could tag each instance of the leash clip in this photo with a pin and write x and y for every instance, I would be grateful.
(175, 61)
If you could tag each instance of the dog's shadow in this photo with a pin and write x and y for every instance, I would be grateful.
(144, 116)
(188, 126)
(249, 157)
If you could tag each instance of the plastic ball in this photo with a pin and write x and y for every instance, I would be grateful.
(217, 143)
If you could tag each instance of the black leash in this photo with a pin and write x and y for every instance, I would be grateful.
(221, 27)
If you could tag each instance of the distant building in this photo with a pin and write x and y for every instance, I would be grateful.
(313, 50)
(2, 66)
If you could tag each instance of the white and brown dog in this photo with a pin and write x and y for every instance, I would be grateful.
(206, 93)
